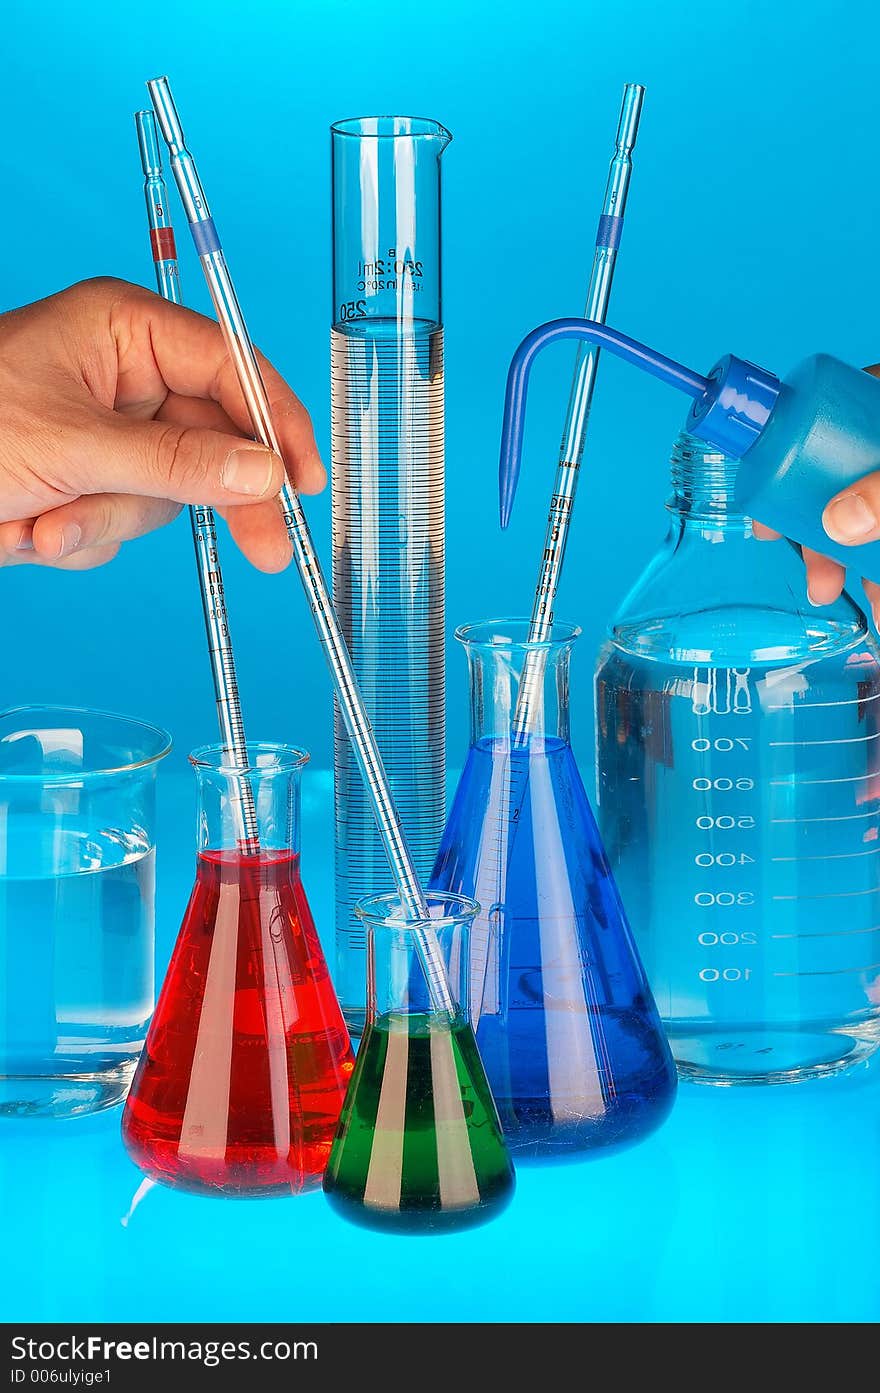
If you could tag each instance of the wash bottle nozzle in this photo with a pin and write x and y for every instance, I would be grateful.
(730, 406)
(799, 441)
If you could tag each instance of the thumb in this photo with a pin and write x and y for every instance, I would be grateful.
(156, 460)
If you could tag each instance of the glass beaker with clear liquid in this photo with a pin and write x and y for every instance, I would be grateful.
(244, 1070)
(387, 498)
(419, 1148)
(738, 732)
(564, 1018)
(77, 906)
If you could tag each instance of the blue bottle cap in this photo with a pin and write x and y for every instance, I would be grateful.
(734, 410)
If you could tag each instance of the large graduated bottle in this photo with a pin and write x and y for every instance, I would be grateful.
(242, 1078)
(387, 498)
(565, 1022)
(738, 736)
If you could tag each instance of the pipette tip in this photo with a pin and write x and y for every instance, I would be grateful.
(630, 115)
(148, 143)
(166, 112)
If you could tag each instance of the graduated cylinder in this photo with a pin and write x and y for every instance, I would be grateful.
(388, 497)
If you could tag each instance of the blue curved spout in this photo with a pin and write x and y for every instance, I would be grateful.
(693, 384)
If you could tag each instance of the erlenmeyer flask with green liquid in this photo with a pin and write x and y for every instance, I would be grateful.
(419, 1146)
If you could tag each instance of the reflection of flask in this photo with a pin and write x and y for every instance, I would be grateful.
(565, 1022)
(419, 1145)
(240, 1084)
(739, 794)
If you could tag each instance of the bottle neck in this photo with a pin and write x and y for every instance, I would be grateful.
(704, 486)
(519, 691)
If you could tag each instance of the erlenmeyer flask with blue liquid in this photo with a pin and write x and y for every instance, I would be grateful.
(564, 1018)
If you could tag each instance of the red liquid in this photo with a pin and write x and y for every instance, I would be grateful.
(242, 1078)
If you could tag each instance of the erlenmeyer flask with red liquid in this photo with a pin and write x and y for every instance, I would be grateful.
(242, 1078)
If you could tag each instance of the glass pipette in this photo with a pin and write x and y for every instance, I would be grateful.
(492, 883)
(204, 530)
(351, 706)
(578, 413)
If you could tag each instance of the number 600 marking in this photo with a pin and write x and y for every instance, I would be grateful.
(703, 785)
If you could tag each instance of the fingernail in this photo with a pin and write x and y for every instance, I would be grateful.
(848, 518)
(248, 471)
(25, 540)
(815, 603)
(71, 536)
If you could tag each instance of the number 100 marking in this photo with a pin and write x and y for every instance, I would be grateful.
(725, 974)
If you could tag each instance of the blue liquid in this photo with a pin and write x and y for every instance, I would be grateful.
(566, 1026)
(740, 808)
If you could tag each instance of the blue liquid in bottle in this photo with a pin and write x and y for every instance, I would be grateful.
(564, 1019)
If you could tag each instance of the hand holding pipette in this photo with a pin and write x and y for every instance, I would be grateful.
(117, 409)
(260, 410)
(204, 533)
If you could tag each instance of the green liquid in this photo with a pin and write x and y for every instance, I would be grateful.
(419, 1146)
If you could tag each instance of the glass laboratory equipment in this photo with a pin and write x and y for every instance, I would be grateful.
(419, 1146)
(387, 498)
(739, 794)
(77, 906)
(240, 1084)
(564, 1019)
(351, 710)
(801, 439)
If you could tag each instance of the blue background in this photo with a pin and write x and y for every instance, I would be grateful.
(751, 227)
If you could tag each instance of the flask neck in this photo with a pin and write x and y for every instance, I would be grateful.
(263, 799)
(396, 983)
(519, 689)
(704, 484)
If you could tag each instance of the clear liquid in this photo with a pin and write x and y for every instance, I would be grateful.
(388, 589)
(740, 811)
(76, 970)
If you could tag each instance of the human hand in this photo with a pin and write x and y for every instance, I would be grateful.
(118, 408)
(851, 517)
